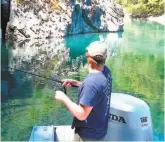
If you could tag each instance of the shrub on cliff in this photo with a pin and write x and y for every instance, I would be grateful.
(143, 7)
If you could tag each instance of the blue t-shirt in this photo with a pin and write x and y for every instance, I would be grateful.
(95, 91)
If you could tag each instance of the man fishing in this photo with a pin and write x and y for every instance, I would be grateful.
(91, 113)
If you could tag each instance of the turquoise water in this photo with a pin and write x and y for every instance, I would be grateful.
(135, 58)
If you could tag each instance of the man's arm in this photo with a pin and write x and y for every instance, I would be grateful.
(81, 112)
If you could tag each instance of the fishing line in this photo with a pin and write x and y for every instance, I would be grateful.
(55, 80)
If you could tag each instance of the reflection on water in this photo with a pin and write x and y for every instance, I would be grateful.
(38, 55)
(134, 57)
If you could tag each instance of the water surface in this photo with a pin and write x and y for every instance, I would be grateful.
(135, 58)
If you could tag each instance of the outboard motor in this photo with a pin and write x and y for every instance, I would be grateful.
(130, 119)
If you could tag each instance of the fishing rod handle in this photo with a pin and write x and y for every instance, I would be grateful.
(74, 86)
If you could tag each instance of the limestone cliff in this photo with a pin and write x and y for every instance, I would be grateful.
(58, 18)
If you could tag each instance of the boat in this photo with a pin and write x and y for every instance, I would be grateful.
(129, 120)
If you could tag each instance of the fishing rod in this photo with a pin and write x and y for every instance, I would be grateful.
(55, 80)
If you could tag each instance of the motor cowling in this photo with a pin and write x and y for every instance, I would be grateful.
(130, 119)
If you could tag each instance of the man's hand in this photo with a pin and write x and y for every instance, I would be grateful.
(69, 82)
(60, 96)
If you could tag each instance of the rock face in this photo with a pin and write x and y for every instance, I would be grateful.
(5, 9)
(58, 18)
(96, 16)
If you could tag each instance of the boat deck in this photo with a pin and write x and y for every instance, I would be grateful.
(63, 133)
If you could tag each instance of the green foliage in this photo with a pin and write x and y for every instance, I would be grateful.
(55, 5)
(78, 1)
(20, 1)
(83, 71)
(142, 1)
(143, 7)
(138, 9)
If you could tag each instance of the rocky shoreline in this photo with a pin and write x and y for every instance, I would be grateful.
(158, 19)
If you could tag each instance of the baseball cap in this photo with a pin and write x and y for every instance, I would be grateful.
(97, 48)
